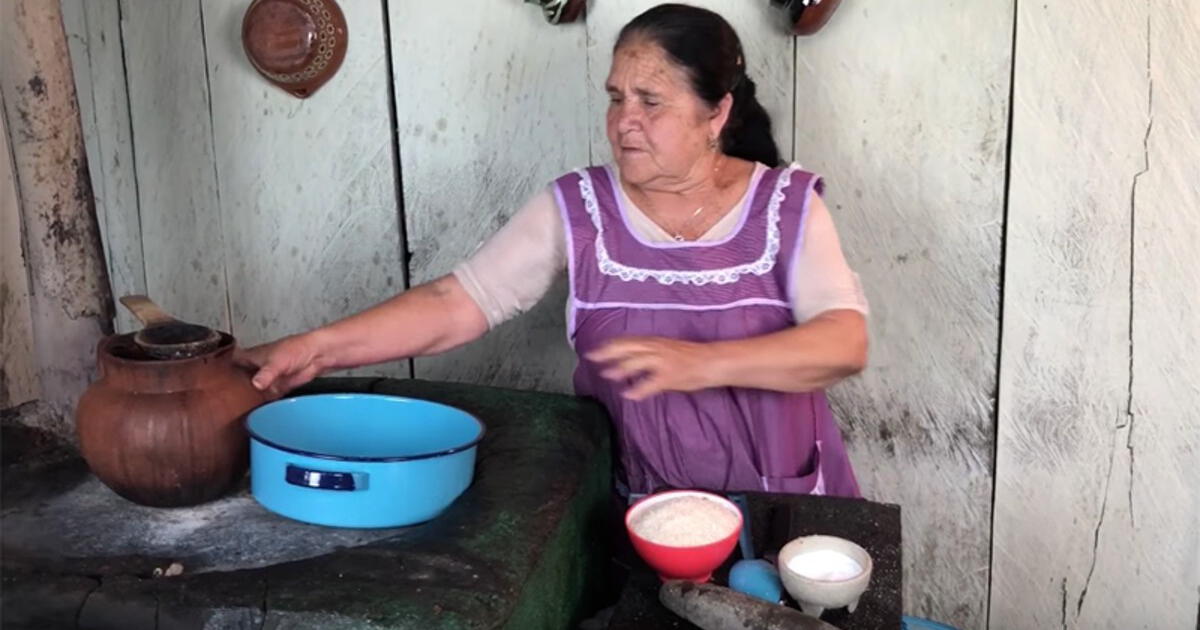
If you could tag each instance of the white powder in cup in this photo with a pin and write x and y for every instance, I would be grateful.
(825, 564)
(686, 521)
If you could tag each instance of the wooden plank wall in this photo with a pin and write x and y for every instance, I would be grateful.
(193, 146)
(484, 123)
(1164, 432)
(295, 217)
(903, 107)
(307, 188)
(1096, 512)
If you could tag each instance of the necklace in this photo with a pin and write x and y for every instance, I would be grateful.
(677, 234)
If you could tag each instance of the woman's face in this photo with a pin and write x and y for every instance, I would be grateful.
(658, 127)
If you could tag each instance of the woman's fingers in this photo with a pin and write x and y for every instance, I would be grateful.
(265, 377)
(654, 364)
(631, 366)
(632, 358)
(645, 388)
(618, 349)
(274, 364)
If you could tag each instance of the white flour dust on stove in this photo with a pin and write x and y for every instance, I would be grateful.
(685, 521)
(234, 532)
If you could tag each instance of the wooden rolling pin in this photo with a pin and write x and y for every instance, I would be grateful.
(712, 607)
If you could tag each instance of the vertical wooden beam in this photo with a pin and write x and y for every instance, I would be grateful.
(904, 108)
(1095, 511)
(1163, 442)
(1096, 514)
(71, 306)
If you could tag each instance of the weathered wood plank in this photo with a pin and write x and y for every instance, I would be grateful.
(172, 129)
(307, 187)
(69, 299)
(74, 15)
(94, 34)
(18, 373)
(1070, 550)
(482, 128)
(1163, 442)
(902, 106)
(769, 58)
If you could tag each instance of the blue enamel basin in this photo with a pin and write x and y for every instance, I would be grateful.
(360, 460)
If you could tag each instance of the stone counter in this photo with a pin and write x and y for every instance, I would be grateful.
(517, 550)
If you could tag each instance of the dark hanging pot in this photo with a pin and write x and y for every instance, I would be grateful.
(167, 432)
(806, 17)
(561, 11)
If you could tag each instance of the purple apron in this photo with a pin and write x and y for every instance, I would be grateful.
(725, 439)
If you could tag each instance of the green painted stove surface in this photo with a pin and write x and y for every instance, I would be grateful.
(518, 550)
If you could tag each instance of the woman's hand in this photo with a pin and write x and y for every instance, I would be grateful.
(814, 355)
(656, 364)
(283, 365)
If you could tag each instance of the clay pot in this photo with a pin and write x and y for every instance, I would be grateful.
(296, 44)
(166, 433)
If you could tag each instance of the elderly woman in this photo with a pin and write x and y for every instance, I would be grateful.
(710, 303)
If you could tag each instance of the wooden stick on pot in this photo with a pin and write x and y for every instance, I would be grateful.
(164, 336)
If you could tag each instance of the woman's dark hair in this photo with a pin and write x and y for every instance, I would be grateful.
(707, 47)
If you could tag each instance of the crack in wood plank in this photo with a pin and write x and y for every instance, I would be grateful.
(397, 165)
(1129, 413)
(1096, 535)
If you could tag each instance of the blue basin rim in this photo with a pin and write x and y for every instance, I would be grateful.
(354, 458)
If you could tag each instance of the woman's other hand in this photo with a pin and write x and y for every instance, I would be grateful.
(814, 355)
(283, 365)
(656, 365)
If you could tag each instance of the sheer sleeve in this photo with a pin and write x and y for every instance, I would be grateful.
(822, 279)
(515, 267)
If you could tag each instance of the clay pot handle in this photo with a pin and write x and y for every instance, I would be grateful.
(146, 310)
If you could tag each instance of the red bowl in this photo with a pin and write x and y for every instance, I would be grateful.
(694, 563)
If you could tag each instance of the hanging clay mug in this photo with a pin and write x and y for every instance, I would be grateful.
(166, 432)
(806, 17)
(296, 44)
